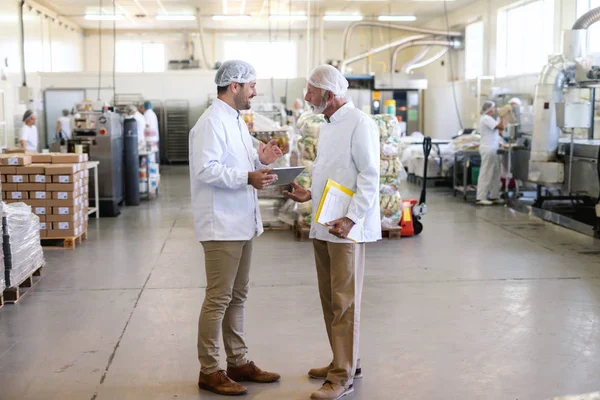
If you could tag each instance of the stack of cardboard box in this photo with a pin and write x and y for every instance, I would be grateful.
(54, 185)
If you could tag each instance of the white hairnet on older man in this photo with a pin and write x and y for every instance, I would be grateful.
(235, 71)
(329, 78)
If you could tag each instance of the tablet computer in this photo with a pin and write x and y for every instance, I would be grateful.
(287, 175)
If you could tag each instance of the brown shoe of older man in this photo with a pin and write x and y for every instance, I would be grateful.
(251, 373)
(331, 391)
(219, 383)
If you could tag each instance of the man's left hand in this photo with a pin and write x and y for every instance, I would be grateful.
(268, 154)
(341, 227)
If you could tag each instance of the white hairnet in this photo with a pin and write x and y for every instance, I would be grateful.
(487, 106)
(235, 71)
(328, 78)
(515, 100)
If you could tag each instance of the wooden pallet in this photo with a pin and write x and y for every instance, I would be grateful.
(66, 242)
(391, 234)
(302, 232)
(14, 294)
(284, 227)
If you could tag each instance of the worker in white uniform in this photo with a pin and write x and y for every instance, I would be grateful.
(225, 173)
(140, 121)
(348, 153)
(63, 126)
(514, 118)
(489, 182)
(29, 135)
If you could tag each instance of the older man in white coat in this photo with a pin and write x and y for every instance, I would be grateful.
(348, 153)
(225, 172)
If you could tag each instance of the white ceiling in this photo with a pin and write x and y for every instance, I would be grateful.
(140, 14)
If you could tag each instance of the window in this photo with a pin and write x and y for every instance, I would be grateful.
(270, 59)
(154, 57)
(134, 56)
(584, 6)
(525, 37)
(474, 50)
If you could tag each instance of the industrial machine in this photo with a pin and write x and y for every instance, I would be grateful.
(566, 170)
(101, 135)
(398, 94)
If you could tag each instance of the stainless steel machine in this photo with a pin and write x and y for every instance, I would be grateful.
(101, 134)
(566, 170)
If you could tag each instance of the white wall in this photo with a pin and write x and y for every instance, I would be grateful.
(48, 47)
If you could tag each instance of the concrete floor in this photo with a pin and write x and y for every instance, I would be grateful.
(485, 304)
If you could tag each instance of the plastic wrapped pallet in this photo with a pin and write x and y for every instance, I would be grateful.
(392, 171)
(23, 252)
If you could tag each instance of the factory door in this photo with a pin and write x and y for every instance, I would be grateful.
(56, 100)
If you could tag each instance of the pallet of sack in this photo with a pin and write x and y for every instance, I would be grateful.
(56, 186)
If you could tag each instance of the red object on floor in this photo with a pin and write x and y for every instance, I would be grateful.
(407, 227)
(511, 185)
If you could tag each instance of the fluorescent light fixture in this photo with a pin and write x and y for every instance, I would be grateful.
(397, 18)
(231, 17)
(104, 17)
(169, 17)
(343, 18)
(288, 17)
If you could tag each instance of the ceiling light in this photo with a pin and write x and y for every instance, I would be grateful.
(104, 17)
(397, 18)
(231, 17)
(343, 18)
(288, 17)
(170, 17)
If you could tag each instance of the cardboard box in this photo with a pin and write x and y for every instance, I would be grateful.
(43, 233)
(17, 178)
(31, 170)
(8, 170)
(40, 195)
(73, 219)
(42, 218)
(41, 158)
(61, 169)
(66, 210)
(64, 195)
(61, 187)
(17, 195)
(10, 187)
(3, 195)
(3, 178)
(65, 178)
(18, 151)
(70, 158)
(63, 233)
(64, 203)
(14, 160)
(40, 179)
(31, 187)
(45, 225)
(36, 203)
(41, 210)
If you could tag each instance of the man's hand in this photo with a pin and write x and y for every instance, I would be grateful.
(299, 195)
(261, 178)
(341, 227)
(270, 153)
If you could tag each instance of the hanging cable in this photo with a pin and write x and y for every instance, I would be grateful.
(99, 49)
(114, 54)
(452, 67)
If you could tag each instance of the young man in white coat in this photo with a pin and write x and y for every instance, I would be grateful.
(225, 172)
(348, 154)
(489, 183)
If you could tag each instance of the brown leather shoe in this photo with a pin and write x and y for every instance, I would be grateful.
(251, 373)
(321, 373)
(219, 383)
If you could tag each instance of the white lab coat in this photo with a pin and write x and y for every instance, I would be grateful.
(490, 172)
(348, 153)
(225, 206)
(151, 120)
(30, 135)
(141, 127)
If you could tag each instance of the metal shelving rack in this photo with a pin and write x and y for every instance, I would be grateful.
(177, 130)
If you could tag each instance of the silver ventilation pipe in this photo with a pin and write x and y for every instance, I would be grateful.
(587, 19)
(350, 28)
(415, 43)
(430, 60)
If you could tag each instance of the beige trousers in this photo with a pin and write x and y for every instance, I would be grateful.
(227, 277)
(340, 271)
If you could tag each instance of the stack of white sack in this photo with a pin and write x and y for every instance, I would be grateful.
(392, 171)
(23, 252)
(461, 143)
